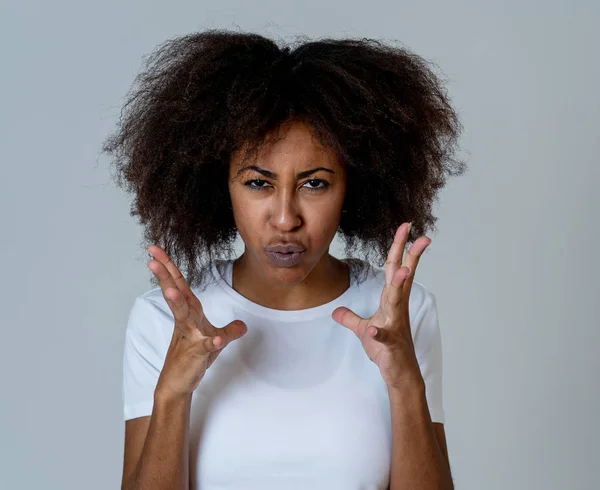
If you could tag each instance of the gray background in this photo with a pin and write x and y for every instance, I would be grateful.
(513, 264)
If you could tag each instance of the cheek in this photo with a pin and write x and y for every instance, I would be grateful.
(242, 216)
(322, 224)
(249, 219)
(322, 218)
(238, 209)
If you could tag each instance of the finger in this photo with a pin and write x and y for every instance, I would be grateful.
(396, 290)
(394, 259)
(210, 344)
(185, 319)
(411, 260)
(379, 334)
(346, 317)
(231, 332)
(175, 300)
(177, 277)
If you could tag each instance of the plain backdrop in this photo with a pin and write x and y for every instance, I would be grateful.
(514, 261)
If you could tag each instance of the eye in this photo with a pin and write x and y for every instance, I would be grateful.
(318, 181)
(250, 182)
(259, 186)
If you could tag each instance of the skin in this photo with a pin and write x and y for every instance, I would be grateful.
(419, 452)
(284, 208)
(287, 208)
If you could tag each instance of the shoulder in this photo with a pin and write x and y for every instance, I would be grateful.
(151, 310)
(150, 305)
(150, 319)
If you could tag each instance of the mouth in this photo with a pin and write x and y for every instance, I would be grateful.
(284, 259)
(285, 249)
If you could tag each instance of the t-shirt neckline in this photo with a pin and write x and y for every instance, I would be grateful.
(321, 311)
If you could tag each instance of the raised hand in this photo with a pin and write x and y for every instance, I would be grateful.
(196, 343)
(386, 336)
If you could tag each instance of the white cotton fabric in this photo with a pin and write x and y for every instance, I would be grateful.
(295, 403)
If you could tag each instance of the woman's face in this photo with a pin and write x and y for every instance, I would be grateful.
(281, 199)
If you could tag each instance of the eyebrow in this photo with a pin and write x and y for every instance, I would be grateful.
(273, 175)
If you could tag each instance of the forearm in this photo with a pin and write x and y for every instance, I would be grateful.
(164, 461)
(417, 460)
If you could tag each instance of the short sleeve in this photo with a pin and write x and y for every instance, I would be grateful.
(143, 358)
(428, 348)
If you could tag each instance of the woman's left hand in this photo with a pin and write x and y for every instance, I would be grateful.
(386, 336)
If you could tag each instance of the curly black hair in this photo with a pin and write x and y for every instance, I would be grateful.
(204, 95)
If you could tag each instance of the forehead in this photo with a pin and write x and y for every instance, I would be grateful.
(293, 147)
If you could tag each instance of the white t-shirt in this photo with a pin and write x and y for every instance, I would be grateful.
(295, 403)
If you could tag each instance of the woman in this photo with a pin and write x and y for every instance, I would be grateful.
(285, 367)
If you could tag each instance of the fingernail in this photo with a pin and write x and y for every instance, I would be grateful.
(409, 226)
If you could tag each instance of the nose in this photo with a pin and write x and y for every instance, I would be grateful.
(286, 214)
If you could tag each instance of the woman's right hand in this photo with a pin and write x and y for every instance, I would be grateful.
(196, 343)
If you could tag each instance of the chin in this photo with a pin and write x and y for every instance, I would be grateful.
(288, 274)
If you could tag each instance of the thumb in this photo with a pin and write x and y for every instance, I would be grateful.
(346, 317)
(232, 331)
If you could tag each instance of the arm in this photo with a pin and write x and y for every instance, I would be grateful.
(164, 460)
(407, 348)
(418, 460)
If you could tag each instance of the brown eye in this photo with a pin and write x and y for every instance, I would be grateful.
(254, 187)
(318, 181)
(323, 184)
